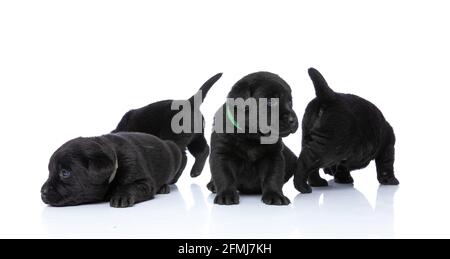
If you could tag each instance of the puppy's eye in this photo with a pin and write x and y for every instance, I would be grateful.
(64, 174)
(272, 102)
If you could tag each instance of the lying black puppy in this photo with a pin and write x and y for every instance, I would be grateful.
(124, 168)
(156, 119)
(239, 162)
(341, 133)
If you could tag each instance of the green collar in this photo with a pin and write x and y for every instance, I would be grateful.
(231, 118)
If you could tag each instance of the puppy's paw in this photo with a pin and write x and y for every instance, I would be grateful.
(200, 160)
(302, 186)
(227, 198)
(388, 180)
(195, 172)
(196, 169)
(211, 187)
(165, 189)
(320, 182)
(329, 170)
(274, 198)
(344, 179)
(122, 201)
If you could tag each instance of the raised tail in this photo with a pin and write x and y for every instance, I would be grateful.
(206, 86)
(323, 91)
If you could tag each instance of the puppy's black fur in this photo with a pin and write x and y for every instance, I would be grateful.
(156, 119)
(341, 133)
(239, 162)
(124, 168)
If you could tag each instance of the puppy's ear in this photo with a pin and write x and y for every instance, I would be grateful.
(101, 161)
(240, 90)
(323, 91)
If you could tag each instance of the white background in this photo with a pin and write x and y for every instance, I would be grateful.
(73, 68)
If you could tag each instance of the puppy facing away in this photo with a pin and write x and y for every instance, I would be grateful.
(239, 162)
(156, 119)
(342, 133)
(122, 168)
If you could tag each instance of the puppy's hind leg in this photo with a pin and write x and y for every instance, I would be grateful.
(385, 160)
(342, 175)
(200, 150)
(315, 180)
(385, 166)
(165, 189)
(330, 170)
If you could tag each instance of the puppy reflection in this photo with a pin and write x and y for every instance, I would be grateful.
(323, 214)
(124, 168)
(255, 220)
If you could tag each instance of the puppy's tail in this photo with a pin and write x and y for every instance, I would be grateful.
(205, 87)
(323, 91)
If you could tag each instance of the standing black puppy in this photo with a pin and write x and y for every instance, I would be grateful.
(239, 162)
(124, 168)
(341, 133)
(156, 119)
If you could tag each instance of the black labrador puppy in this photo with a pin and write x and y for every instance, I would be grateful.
(156, 119)
(239, 162)
(124, 168)
(341, 133)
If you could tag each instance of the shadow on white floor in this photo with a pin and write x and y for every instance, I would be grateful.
(334, 211)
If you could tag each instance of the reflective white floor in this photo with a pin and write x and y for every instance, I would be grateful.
(362, 210)
(320, 214)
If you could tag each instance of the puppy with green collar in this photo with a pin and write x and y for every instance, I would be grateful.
(241, 161)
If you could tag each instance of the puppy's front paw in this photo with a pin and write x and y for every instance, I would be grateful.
(227, 198)
(165, 189)
(122, 201)
(302, 186)
(274, 198)
(388, 180)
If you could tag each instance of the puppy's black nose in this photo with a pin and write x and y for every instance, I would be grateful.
(45, 192)
(292, 120)
(45, 189)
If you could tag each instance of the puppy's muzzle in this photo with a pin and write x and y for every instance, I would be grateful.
(49, 195)
(291, 122)
(45, 192)
(289, 126)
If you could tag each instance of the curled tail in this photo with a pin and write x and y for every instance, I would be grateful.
(323, 91)
(205, 87)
